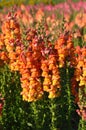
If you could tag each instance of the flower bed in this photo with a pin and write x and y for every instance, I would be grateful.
(43, 68)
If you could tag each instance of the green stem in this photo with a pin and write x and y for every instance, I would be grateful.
(38, 114)
(68, 90)
(54, 115)
(68, 96)
(82, 125)
(34, 113)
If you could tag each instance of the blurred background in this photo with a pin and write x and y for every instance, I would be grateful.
(32, 2)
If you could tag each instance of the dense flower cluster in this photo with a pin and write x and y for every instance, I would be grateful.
(80, 76)
(38, 61)
(66, 51)
(79, 80)
(81, 66)
(39, 47)
(30, 16)
(3, 54)
(50, 73)
(11, 36)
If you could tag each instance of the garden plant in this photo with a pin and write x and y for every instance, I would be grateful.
(43, 67)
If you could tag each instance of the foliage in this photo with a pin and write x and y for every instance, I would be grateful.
(7, 3)
(14, 113)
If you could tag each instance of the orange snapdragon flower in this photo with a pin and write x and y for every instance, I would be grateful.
(39, 15)
(80, 19)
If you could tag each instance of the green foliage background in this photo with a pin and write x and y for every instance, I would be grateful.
(44, 114)
(4, 3)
